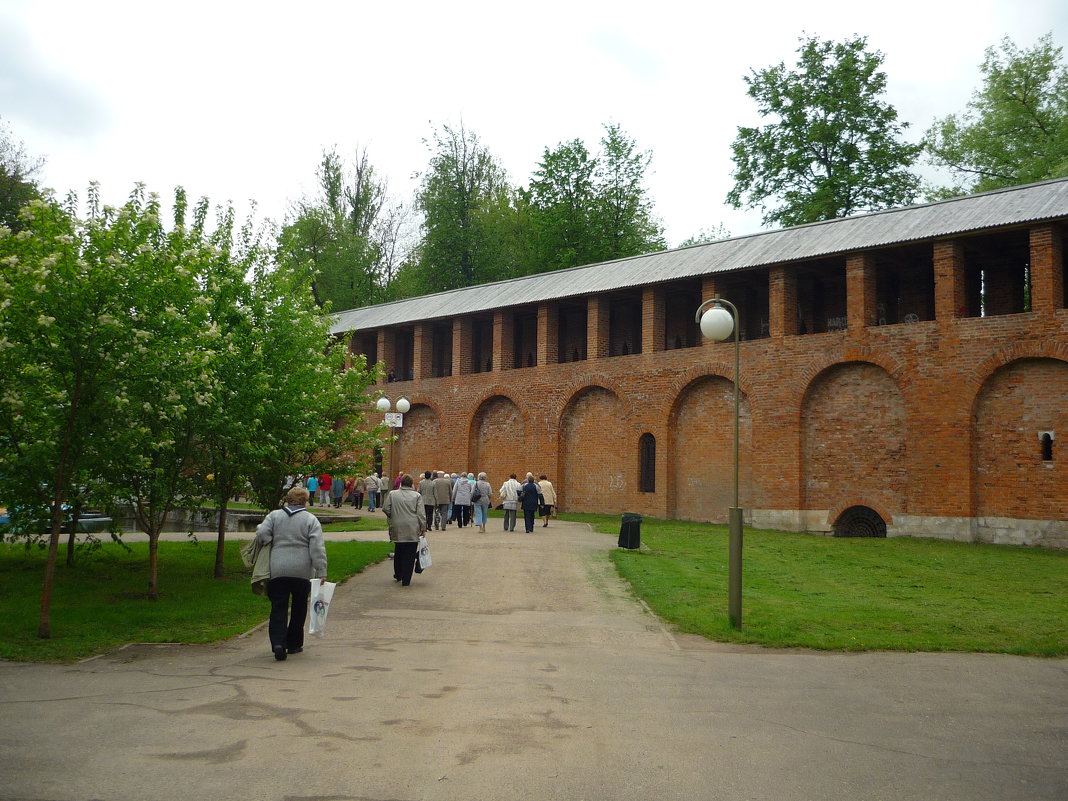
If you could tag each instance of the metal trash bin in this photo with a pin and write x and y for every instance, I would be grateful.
(630, 531)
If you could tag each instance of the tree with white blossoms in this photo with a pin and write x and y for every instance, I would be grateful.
(72, 294)
(280, 403)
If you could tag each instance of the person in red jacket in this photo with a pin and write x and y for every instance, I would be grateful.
(324, 489)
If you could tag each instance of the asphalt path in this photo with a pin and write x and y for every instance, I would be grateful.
(520, 667)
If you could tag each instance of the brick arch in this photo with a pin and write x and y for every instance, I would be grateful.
(416, 441)
(722, 368)
(496, 390)
(1011, 353)
(1023, 395)
(498, 418)
(807, 376)
(700, 445)
(836, 511)
(853, 440)
(593, 476)
(569, 391)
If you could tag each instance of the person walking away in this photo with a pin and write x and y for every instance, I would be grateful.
(549, 494)
(404, 509)
(426, 492)
(530, 498)
(298, 555)
(480, 499)
(509, 495)
(461, 501)
(313, 487)
(372, 485)
(442, 497)
(337, 491)
(325, 481)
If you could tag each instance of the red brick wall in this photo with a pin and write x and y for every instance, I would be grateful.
(595, 454)
(1016, 403)
(498, 436)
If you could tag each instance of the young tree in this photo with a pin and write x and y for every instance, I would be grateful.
(624, 213)
(349, 238)
(1015, 129)
(464, 197)
(835, 148)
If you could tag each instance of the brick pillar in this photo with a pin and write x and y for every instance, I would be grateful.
(423, 358)
(951, 298)
(461, 345)
(782, 302)
(387, 350)
(653, 319)
(597, 327)
(1047, 268)
(861, 307)
(503, 340)
(548, 333)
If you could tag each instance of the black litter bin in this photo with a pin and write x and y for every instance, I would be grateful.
(630, 532)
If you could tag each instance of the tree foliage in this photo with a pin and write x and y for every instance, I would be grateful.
(349, 238)
(835, 147)
(466, 201)
(140, 359)
(17, 184)
(1015, 128)
(585, 209)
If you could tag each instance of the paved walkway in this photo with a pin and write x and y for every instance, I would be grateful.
(519, 667)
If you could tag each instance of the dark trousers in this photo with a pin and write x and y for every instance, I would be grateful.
(404, 561)
(441, 518)
(528, 518)
(509, 519)
(428, 510)
(462, 515)
(286, 626)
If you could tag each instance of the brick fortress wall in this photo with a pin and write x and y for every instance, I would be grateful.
(933, 420)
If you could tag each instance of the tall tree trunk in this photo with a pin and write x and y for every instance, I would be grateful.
(153, 565)
(72, 534)
(220, 545)
(44, 624)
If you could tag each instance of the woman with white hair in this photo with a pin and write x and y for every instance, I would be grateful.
(480, 499)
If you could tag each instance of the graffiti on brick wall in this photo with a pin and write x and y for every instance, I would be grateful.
(616, 483)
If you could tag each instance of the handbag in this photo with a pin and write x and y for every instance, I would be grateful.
(322, 593)
(476, 496)
(423, 554)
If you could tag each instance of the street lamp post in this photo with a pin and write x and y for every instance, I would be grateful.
(717, 323)
(393, 420)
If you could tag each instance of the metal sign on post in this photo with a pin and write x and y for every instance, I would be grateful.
(394, 419)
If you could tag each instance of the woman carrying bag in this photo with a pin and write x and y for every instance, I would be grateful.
(404, 509)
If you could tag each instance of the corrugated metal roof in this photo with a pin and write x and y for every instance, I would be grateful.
(1005, 207)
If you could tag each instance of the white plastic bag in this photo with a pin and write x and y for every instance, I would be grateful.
(319, 606)
(424, 553)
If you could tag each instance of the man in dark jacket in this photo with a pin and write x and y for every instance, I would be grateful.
(530, 498)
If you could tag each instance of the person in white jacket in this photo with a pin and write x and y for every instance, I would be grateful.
(509, 495)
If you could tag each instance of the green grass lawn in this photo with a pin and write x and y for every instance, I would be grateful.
(802, 590)
(101, 603)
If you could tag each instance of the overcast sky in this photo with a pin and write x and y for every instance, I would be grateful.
(236, 100)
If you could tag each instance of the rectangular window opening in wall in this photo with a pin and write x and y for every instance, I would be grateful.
(904, 285)
(572, 332)
(750, 292)
(624, 324)
(441, 350)
(997, 275)
(681, 301)
(482, 345)
(525, 332)
(403, 370)
(367, 344)
(821, 296)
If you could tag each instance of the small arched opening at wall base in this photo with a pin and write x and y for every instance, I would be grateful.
(860, 521)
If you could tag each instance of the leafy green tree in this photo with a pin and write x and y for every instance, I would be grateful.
(585, 209)
(624, 214)
(349, 237)
(464, 197)
(1015, 129)
(835, 147)
(17, 185)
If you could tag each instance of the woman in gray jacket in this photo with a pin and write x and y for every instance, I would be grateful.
(298, 555)
(404, 508)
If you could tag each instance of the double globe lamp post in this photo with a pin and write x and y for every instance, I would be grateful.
(717, 323)
(393, 420)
